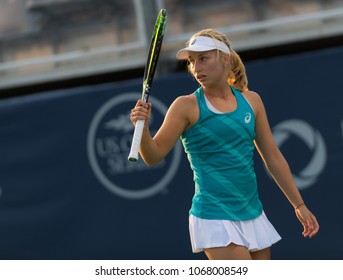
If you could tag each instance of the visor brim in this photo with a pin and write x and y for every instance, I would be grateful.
(184, 53)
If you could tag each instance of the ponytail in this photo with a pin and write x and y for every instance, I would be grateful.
(237, 75)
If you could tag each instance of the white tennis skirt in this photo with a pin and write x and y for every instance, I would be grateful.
(255, 234)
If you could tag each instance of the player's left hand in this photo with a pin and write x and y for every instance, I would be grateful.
(308, 220)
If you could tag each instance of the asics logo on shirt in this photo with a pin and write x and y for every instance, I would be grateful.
(247, 118)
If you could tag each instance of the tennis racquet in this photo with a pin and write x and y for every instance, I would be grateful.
(150, 67)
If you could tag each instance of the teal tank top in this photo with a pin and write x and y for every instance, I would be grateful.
(220, 150)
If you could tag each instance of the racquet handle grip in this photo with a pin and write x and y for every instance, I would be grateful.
(136, 141)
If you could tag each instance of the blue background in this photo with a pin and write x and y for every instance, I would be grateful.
(53, 206)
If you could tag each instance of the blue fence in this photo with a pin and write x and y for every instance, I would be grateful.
(67, 190)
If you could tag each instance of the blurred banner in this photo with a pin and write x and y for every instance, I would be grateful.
(67, 190)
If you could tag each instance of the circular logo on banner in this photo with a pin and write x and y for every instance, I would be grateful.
(108, 146)
(313, 140)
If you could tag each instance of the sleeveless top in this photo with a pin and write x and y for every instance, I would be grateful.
(220, 150)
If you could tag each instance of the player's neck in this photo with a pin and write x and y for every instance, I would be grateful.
(218, 92)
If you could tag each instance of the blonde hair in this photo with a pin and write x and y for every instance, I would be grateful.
(237, 74)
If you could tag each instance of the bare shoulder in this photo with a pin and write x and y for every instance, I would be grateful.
(254, 99)
(184, 103)
(252, 96)
(185, 107)
(187, 100)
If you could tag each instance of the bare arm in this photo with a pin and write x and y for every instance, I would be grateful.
(177, 119)
(279, 168)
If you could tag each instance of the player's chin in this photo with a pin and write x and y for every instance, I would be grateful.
(203, 83)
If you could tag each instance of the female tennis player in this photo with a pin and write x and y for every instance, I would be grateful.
(220, 124)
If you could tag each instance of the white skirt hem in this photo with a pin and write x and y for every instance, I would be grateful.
(255, 234)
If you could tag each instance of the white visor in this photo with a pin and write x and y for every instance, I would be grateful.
(202, 44)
